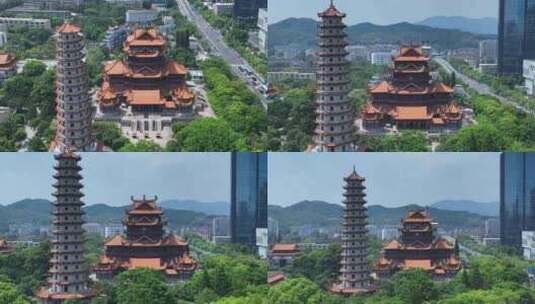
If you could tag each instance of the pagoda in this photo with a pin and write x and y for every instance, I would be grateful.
(410, 98)
(73, 105)
(145, 81)
(419, 247)
(355, 269)
(334, 113)
(146, 245)
(68, 276)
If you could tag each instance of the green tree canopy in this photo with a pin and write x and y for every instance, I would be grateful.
(207, 134)
(142, 286)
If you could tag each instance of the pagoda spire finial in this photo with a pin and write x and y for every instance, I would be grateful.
(354, 169)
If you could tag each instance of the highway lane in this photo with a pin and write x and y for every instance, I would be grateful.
(480, 88)
(239, 66)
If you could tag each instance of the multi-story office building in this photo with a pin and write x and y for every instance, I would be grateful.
(247, 10)
(115, 37)
(488, 51)
(220, 228)
(516, 35)
(517, 197)
(248, 210)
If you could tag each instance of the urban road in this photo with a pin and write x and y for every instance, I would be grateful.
(480, 88)
(218, 47)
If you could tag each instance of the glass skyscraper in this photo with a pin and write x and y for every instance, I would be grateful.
(248, 213)
(517, 196)
(247, 10)
(516, 35)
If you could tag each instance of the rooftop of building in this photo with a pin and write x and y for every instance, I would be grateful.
(145, 37)
(68, 27)
(7, 59)
(332, 11)
(276, 278)
(354, 176)
(285, 248)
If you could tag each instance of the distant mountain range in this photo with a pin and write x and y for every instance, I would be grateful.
(210, 208)
(301, 34)
(484, 26)
(37, 211)
(484, 209)
(323, 214)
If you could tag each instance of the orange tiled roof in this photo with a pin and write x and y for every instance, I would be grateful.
(7, 59)
(175, 68)
(384, 87)
(276, 278)
(117, 240)
(331, 11)
(152, 263)
(186, 260)
(183, 94)
(144, 97)
(68, 27)
(173, 240)
(170, 271)
(418, 216)
(145, 37)
(438, 121)
(285, 248)
(411, 113)
(411, 53)
(424, 264)
(442, 244)
(393, 244)
(116, 67)
(170, 105)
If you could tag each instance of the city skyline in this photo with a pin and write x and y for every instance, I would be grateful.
(112, 178)
(392, 179)
(384, 12)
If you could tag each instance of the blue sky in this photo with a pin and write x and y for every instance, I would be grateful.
(112, 178)
(392, 179)
(384, 11)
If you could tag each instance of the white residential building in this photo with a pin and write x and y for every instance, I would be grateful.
(381, 58)
(262, 30)
(273, 76)
(223, 8)
(27, 22)
(142, 17)
(529, 76)
(112, 230)
(93, 228)
(528, 244)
